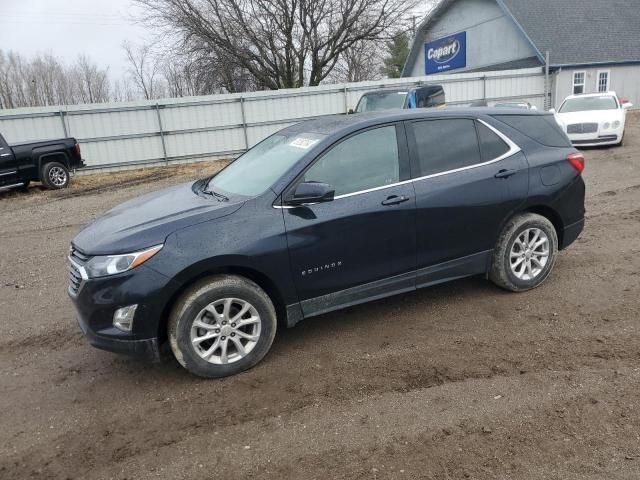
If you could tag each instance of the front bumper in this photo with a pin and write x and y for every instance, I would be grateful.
(608, 137)
(97, 300)
(111, 342)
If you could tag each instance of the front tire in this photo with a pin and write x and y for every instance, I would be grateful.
(525, 253)
(221, 326)
(55, 175)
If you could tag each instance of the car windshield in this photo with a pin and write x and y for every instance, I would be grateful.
(259, 168)
(584, 104)
(381, 101)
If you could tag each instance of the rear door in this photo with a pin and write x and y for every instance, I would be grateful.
(469, 178)
(8, 167)
(363, 243)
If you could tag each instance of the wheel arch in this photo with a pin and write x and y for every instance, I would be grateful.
(52, 157)
(553, 216)
(256, 276)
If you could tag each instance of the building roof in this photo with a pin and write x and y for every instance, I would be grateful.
(529, 62)
(575, 32)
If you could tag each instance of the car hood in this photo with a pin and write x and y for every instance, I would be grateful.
(148, 220)
(592, 116)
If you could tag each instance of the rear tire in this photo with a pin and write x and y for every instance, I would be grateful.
(221, 326)
(525, 253)
(55, 175)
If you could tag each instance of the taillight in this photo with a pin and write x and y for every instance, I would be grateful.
(577, 161)
(77, 146)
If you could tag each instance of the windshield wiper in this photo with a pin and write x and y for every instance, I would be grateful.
(219, 196)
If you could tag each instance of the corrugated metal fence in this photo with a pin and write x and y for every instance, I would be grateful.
(223, 126)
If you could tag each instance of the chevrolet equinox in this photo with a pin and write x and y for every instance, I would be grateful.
(322, 215)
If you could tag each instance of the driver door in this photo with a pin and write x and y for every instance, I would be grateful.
(8, 167)
(362, 244)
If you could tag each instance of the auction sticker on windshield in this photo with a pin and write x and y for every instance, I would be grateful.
(301, 142)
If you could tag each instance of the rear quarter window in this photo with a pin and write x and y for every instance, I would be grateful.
(542, 128)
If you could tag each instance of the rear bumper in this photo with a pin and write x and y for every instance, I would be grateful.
(571, 233)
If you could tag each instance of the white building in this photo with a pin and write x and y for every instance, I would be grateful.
(593, 45)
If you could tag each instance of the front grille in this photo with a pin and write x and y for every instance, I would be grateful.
(582, 128)
(75, 279)
(77, 259)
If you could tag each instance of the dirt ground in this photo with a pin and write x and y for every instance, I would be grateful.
(457, 381)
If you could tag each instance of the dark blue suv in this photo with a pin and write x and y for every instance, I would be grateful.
(322, 215)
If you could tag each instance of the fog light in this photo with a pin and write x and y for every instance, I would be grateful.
(123, 318)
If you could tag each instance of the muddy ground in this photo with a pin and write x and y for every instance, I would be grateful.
(457, 381)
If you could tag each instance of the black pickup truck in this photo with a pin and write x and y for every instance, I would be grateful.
(48, 162)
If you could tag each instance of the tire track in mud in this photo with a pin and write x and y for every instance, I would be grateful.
(112, 452)
(384, 374)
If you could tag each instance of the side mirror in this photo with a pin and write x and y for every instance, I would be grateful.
(350, 111)
(552, 110)
(311, 192)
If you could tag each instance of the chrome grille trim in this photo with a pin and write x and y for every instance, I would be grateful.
(582, 128)
(77, 273)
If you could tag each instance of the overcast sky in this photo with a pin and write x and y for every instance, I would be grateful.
(67, 28)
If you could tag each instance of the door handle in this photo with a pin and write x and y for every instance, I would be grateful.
(505, 173)
(394, 200)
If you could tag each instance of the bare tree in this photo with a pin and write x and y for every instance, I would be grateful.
(92, 83)
(44, 80)
(144, 70)
(122, 91)
(358, 63)
(279, 43)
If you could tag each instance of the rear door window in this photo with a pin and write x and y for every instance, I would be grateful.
(444, 145)
(361, 162)
(542, 128)
(491, 145)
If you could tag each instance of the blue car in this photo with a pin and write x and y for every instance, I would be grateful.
(389, 98)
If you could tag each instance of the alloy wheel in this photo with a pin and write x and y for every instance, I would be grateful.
(225, 331)
(529, 254)
(58, 176)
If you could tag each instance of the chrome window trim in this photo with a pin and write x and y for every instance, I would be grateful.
(513, 149)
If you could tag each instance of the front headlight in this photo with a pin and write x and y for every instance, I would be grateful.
(104, 266)
(606, 125)
(616, 124)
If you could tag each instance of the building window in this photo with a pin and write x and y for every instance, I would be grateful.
(578, 82)
(603, 81)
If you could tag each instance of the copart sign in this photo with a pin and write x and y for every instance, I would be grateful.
(446, 53)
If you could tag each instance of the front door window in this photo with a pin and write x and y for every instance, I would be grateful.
(359, 163)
